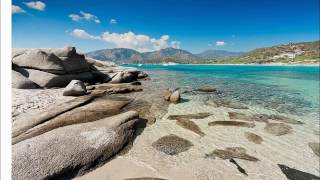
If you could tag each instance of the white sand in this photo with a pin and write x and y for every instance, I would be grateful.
(143, 160)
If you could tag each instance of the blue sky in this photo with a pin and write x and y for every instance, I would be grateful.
(144, 25)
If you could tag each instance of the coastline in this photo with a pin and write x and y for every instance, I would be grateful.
(271, 64)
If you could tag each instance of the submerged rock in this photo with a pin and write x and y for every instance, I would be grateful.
(232, 123)
(253, 137)
(75, 88)
(278, 129)
(232, 152)
(284, 119)
(190, 116)
(240, 169)
(172, 144)
(71, 150)
(206, 89)
(187, 124)
(293, 174)
(315, 148)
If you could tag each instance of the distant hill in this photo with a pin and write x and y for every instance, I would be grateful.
(218, 54)
(292, 53)
(123, 55)
(116, 54)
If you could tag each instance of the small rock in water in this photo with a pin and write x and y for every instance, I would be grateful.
(232, 123)
(315, 148)
(241, 116)
(232, 152)
(172, 144)
(293, 174)
(167, 93)
(253, 137)
(278, 129)
(190, 116)
(75, 88)
(175, 97)
(187, 124)
(206, 89)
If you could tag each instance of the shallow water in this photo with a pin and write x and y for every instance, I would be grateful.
(292, 90)
(289, 91)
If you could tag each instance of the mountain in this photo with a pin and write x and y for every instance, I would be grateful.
(218, 54)
(292, 53)
(123, 55)
(116, 54)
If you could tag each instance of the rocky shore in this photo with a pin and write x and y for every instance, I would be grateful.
(77, 117)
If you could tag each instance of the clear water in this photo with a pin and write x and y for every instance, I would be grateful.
(290, 90)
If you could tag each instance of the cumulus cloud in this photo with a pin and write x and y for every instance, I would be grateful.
(85, 17)
(113, 21)
(38, 5)
(220, 43)
(139, 42)
(80, 33)
(175, 44)
(16, 9)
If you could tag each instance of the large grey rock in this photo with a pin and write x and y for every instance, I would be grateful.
(75, 88)
(37, 59)
(21, 82)
(98, 63)
(117, 78)
(75, 63)
(123, 77)
(48, 80)
(23, 123)
(72, 150)
(54, 60)
(99, 108)
(67, 51)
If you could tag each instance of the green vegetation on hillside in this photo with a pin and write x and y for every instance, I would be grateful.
(299, 53)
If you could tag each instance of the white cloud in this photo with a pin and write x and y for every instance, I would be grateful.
(220, 43)
(139, 42)
(113, 21)
(84, 16)
(16, 9)
(38, 5)
(175, 44)
(79, 33)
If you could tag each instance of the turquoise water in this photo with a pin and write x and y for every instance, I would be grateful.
(285, 89)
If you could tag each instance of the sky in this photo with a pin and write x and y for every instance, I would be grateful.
(145, 25)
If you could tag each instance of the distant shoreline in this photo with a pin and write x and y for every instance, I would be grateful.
(270, 64)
